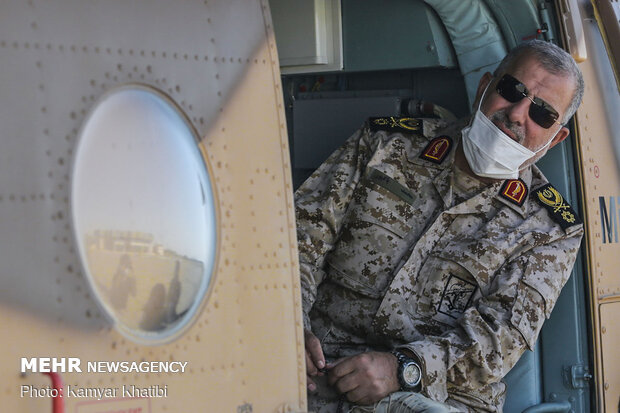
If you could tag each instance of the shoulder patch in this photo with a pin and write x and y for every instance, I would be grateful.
(394, 124)
(554, 203)
(515, 191)
(437, 149)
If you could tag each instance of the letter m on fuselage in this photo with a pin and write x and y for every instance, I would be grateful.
(609, 221)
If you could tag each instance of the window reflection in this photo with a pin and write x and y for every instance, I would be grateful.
(148, 286)
(143, 212)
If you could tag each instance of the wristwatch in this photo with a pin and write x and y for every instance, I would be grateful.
(409, 373)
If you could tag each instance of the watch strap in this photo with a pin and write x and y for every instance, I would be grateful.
(402, 361)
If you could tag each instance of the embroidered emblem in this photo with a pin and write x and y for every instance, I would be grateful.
(456, 296)
(554, 203)
(394, 124)
(437, 149)
(515, 191)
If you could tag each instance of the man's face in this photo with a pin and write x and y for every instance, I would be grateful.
(513, 118)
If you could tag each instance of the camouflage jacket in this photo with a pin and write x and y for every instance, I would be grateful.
(391, 257)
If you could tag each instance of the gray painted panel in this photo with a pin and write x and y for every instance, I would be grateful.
(564, 336)
(524, 384)
(376, 37)
(322, 125)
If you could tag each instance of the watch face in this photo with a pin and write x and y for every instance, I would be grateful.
(411, 374)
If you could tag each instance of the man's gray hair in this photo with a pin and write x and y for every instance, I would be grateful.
(554, 60)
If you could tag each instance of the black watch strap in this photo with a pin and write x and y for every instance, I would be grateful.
(409, 364)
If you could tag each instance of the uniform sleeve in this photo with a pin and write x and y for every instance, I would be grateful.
(491, 335)
(320, 206)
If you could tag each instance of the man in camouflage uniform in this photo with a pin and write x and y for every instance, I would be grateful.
(403, 246)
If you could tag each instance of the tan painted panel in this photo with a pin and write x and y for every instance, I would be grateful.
(602, 177)
(217, 60)
(598, 138)
(610, 337)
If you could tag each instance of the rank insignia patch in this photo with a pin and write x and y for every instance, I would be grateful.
(515, 191)
(554, 203)
(437, 149)
(394, 124)
(456, 296)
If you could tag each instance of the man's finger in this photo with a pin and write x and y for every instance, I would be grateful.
(313, 346)
(311, 384)
(358, 397)
(311, 368)
(347, 383)
(340, 369)
(333, 364)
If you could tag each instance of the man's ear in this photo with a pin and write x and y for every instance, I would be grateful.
(559, 137)
(484, 81)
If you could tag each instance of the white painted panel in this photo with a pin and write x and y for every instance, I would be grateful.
(308, 34)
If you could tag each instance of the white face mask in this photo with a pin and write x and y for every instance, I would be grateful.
(490, 152)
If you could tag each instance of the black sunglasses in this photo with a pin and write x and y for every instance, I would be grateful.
(540, 111)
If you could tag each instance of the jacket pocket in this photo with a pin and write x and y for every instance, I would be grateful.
(534, 301)
(385, 202)
(528, 313)
(444, 290)
(372, 241)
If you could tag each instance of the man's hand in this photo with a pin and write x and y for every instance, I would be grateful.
(365, 378)
(315, 360)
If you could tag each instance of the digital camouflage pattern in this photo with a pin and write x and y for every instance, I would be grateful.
(397, 251)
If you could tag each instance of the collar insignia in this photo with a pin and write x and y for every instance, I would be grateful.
(515, 191)
(394, 124)
(554, 203)
(437, 149)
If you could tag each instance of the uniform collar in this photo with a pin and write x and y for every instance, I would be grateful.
(443, 184)
(442, 170)
(481, 201)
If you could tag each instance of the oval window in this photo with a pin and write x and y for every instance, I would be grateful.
(143, 213)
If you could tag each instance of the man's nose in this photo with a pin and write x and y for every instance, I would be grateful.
(518, 111)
